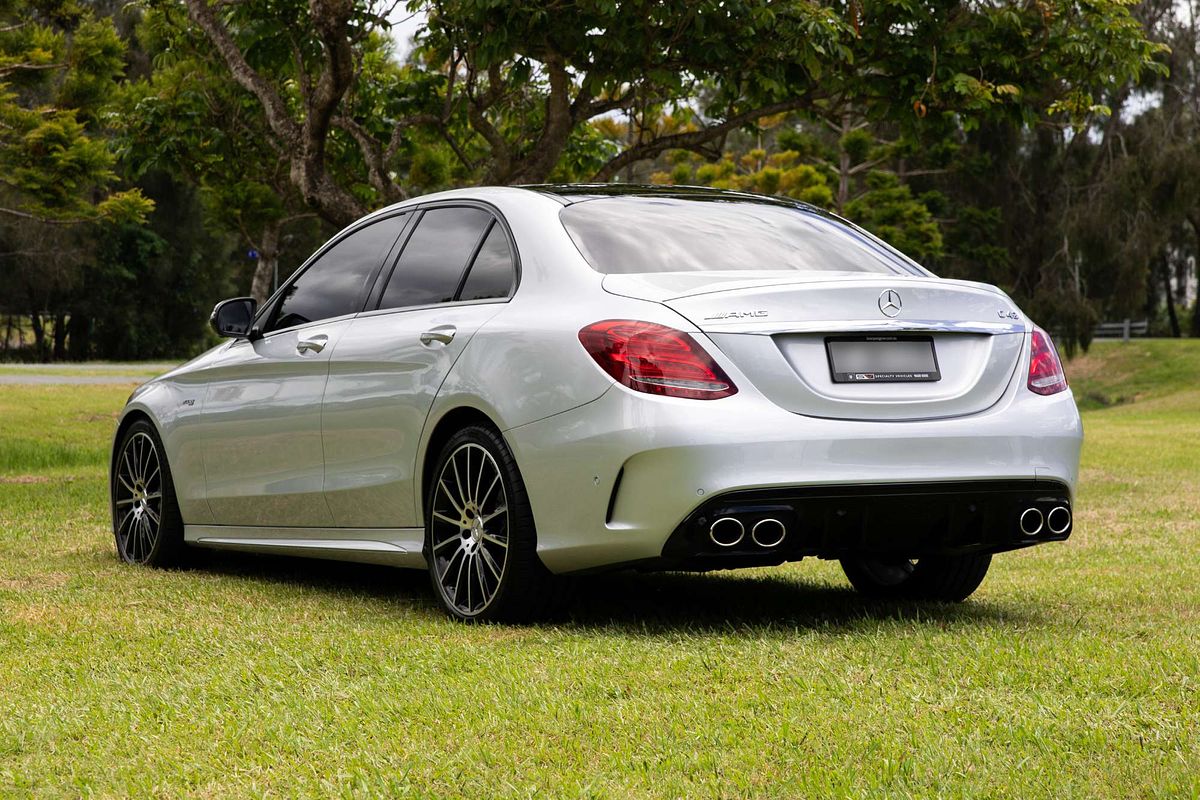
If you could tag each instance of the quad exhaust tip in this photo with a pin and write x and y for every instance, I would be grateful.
(768, 532)
(1032, 521)
(727, 532)
(1059, 519)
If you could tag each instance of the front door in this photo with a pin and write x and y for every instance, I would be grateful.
(263, 458)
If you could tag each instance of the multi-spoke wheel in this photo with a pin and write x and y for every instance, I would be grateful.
(947, 578)
(146, 520)
(469, 529)
(480, 539)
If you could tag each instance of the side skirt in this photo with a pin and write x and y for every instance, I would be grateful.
(399, 547)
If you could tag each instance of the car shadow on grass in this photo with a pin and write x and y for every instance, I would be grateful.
(723, 601)
(643, 603)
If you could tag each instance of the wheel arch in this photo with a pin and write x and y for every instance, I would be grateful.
(447, 425)
(131, 416)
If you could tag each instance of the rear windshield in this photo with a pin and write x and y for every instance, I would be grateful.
(627, 235)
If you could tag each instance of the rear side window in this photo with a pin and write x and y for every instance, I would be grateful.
(492, 272)
(435, 257)
(335, 283)
(626, 235)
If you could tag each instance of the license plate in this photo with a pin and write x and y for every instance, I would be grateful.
(882, 359)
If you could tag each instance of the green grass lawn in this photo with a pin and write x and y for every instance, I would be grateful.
(1073, 672)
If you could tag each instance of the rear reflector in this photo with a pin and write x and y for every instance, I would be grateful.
(1045, 369)
(655, 359)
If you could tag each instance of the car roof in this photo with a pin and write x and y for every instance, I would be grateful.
(569, 193)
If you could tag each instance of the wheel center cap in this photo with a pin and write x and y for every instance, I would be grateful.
(476, 530)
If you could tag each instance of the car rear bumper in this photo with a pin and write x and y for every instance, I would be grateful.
(770, 526)
(616, 481)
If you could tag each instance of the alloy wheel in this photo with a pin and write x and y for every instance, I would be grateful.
(137, 497)
(469, 532)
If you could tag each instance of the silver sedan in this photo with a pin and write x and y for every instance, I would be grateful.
(507, 385)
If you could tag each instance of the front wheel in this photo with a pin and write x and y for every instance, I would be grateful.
(147, 524)
(480, 541)
(949, 579)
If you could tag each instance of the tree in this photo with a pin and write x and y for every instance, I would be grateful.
(58, 67)
(508, 87)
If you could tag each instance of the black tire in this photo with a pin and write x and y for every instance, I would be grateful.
(948, 579)
(147, 525)
(463, 541)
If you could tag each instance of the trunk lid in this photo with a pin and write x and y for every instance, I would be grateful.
(774, 327)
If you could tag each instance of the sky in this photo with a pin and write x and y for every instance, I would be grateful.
(404, 25)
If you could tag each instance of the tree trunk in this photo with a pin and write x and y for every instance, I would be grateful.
(1165, 271)
(262, 285)
(1196, 306)
(39, 336)
(78, 336)
(60, 337)
(1195, 222)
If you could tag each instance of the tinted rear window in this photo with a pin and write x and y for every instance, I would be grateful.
(627, 235)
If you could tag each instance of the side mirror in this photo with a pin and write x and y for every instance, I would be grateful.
(234, 318)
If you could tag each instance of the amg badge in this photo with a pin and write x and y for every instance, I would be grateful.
(737, 315)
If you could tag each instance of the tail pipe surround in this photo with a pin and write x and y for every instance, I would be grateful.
(727, 532)
(768, 532)
(1058, 520)
(1032, 521)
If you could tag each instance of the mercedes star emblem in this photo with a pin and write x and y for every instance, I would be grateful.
(889, 302)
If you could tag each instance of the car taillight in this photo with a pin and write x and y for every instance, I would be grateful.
(655, 359)
(1045, 369)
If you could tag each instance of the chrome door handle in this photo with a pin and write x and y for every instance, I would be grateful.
(442, 333)
(315, 344)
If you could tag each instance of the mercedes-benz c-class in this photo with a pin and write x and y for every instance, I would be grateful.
(505, 386)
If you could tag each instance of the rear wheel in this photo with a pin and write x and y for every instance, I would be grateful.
(147, 525)
(480, 541)
(949, 579)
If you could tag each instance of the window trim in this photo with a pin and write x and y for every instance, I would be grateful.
(372, 306)
(268, 311)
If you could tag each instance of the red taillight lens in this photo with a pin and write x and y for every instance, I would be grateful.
(655, 359)
(1045, 369)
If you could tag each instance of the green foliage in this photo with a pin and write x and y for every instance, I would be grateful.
(857, 144)
(889, 210)
(59, 66)
(174, 259)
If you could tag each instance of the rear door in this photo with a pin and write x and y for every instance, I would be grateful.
(456, 268)
(263, 461)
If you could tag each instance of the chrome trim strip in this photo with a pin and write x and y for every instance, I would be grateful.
(876, 326)
(301, 544)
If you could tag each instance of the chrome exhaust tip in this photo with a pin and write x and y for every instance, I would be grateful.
(1059, 519)
(1031, 521)
(768, 532)
(727, 532)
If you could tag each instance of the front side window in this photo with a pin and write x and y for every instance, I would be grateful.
(435, 257)
(629, 235)
(334, 284)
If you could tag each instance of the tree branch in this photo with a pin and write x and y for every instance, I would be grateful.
(304, 143)
(692, 140)
(278, 117)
